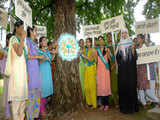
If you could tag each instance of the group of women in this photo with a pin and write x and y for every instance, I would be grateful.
(28, 74)
(108, 74)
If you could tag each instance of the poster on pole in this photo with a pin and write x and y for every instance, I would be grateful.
(12, 22)
(148, 26)
(41, 31)
(148, 55)
(23, 11)
(113, 24)
(92, 30)
(3, 18)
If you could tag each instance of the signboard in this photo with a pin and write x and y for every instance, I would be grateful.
(92, 30)
(148, 55)
(68, 47)
(12, 22)
(113, 24)
(148, 26)
(3, 18)
(23, 11)
(41, 31)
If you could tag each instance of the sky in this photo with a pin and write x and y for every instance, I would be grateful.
(155, 37)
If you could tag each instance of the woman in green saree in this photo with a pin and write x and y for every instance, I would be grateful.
(81, 66)
(114, 81)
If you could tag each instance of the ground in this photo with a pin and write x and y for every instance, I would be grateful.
(112, 114)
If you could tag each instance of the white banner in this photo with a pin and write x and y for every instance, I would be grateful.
(23, 11)
(148, 55)
(12, 22)
(41, 31)
(3, 18)
(92, 30)
(113, 24)
(148, 26)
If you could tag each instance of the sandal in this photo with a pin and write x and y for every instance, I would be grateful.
(106, 108)
(101, 108)
(117, 106)
(43, 115)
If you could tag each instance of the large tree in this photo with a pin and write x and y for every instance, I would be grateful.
(67, 84)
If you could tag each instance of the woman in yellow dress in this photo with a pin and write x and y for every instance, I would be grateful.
(90, 56)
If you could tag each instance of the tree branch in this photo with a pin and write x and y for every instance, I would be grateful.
(47, 6)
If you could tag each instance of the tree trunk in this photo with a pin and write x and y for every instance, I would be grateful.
(67, 87)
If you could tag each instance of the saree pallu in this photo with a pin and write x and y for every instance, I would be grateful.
(33, 104)
(114, 87)
(81, 74)
(113, 99)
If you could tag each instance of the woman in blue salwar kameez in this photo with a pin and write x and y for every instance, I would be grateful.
(45, 73)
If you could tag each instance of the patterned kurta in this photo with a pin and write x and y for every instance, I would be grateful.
(142, 78)
(34, 86)
(142, 75)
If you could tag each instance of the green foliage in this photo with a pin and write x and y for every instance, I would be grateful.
(87, 12)
(94, 12)
(43, 14)
(152, 9)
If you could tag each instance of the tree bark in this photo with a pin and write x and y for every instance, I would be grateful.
(67, 89)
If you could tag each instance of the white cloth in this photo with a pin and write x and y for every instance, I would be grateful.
(18, 110)
(148, 94)
(17, 71)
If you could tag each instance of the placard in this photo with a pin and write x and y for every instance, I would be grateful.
(148, 26)
(41, 31)
(148, 55)
(3, 18)
(23, 11)
(113, 24)
(92, 30)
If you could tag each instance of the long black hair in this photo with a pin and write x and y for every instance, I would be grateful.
(17, 24)
(81, 40)
(40, 40)
(90, 40)
(9, 35)
(29, 29)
